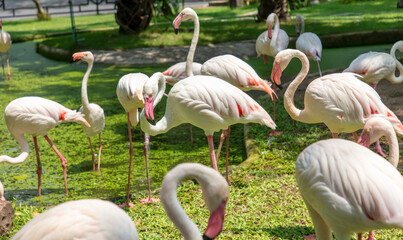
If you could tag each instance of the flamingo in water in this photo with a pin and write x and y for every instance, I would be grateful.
(206, 102)
(93, 113)
(347, 188)
(99, 219)
(269, 43)
(5, 44)
(375, 66)
(341, 101)
(308, 42)
(130, 95)
(35, 116)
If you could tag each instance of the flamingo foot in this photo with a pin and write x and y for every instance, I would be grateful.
(275, 133)
(126, 204)
(149, 200)
(310, 237)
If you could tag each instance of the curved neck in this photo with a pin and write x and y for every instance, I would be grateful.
(294, 112)
(393, 147)
(399, 66)
(275, 33)
(160, 81)
(192, 49)
(22, 141)
(84, 95)
(302, 23)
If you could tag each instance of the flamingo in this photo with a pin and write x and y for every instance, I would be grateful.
(5, 44)
(177, 72)
(93, 113)
(308, 42)
(375, 66)
(347, 188)
(206, 102)
(35, 116)
(80, 219)
(341, 101)
(130, 94)
(215, 193)
(2, 192)
(270, 43)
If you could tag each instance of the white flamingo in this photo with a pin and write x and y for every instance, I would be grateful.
(206, 102)
(308, 42)
(347, 188)
(340, 100)
(80, 219)
(130, 94)
(35, 116)
(5, 44)
(215, 193)
(2, 192)
(375, 66)
(93, 113)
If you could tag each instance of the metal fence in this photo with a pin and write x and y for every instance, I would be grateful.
(27, 8)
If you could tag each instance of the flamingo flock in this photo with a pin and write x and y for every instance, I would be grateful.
(347, 188)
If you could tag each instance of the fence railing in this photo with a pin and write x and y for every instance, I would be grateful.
(27, 8)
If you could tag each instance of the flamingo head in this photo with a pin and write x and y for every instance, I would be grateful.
(84, 56)
(281, 61)
(298, 21)
(216, 221)
(186, 14)
(374, 128)
(270, 23)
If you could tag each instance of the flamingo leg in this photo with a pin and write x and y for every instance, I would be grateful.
(64, 163)
(127, 203)
(39, 170)
(371, 235)
(99, 152)
(355, 136)
(265, 59)
(146, 144)
(213, 160)
(191, 134)
(8, 67)
(92, 154)
(222, 137)
(2, 65)
(226, 154)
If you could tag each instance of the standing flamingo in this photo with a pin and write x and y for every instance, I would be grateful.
(215, 194)
(375, 66)
(5, 44)
(35, 116)
(341, 101)
(2, 192)
(270, 43)
(130, 95)
(80, 219)
(309, 43)
(93, 113)
(347, 188)
(206, 102)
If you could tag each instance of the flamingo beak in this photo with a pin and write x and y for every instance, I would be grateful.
(86, 123)
(269, 32)
(78, 56)
(216, 222)
(276, 74)
(177, 22)
(364, 138)
(149, 110)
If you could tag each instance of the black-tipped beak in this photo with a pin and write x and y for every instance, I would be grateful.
(152, 122)
(279, 86)
(206, 238)
(176, 30)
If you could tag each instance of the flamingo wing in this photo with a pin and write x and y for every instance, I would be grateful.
(282, 41)
(310, 44)
(177, 72)
(263, 44)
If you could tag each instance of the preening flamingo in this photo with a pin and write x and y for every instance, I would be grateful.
(2, 192)
(177, 72)
(309, 43)
(375, 66)
(130, 95)
(215, 193)
(80, 219)
(347, 188)
(269, 43)
(93, 113)
(206, 102)
(35, 116)
(5, 44)
(340, 100)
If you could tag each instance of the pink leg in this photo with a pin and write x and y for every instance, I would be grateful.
(2, 65)
(99, 152)
(265, 59)
(355, 136)
(64, 163)
(371, 235)
(379, 149)
(8, 67)
(149, 199)
(191, 134)
(224, 135)
(92, 154)
(359, 236)
(39, 170)
(127, 203)
(213, 160)
(274, 114)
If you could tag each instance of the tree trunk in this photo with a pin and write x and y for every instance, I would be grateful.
(399, 3)
(133, 16)
(42, 14)
(279, 7)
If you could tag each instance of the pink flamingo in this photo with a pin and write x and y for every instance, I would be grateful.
(93, 113)
(130, 95)
(347, 188)
(5, 44)
(35, 116)
(309, 43)
(206, 102)
(375, 66)
(341, 101)
(269, 43)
